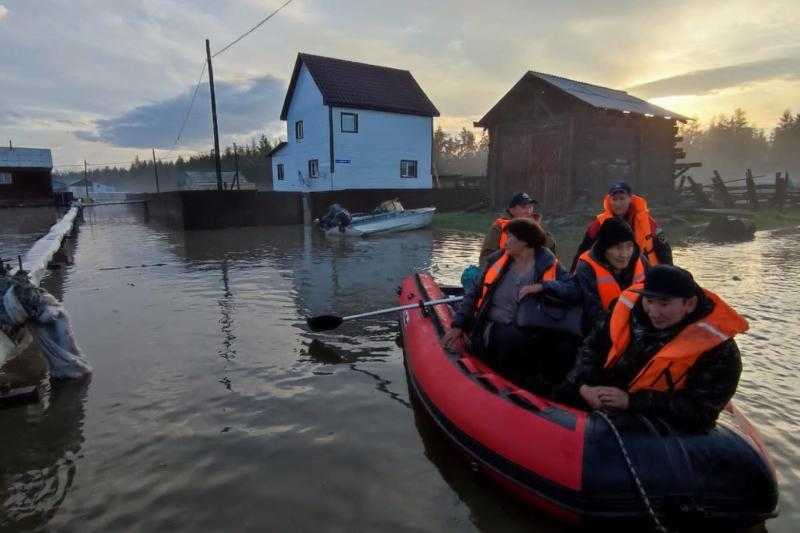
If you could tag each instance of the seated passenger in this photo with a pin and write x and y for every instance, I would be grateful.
(520, 206)
(611, 265)
(485, 322)
(666, 351)
(620, 202)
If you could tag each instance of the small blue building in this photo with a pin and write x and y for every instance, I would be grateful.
(353, 126)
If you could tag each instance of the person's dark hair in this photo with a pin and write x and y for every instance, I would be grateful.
(527, 231)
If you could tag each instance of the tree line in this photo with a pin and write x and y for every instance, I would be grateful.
(732, 144)
(140, 177)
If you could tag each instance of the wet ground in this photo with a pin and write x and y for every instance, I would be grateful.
(213, 409)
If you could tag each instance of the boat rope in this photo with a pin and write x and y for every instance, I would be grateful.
(639, 485)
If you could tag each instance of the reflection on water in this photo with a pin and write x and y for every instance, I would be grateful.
(213, 408)
(40, 447)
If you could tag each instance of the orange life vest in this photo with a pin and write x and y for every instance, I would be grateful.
(667, 369)
(607, 286)
(502, 223)
(495, 272)
(639, 218)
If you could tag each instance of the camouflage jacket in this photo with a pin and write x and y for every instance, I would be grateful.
(710, 383)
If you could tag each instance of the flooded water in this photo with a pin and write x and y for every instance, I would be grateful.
(212, 408)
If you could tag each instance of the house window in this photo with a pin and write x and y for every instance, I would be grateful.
(298, 130)
(5, 178)
(313, 168)
(280, 171)
(349, 122)
(408, 169)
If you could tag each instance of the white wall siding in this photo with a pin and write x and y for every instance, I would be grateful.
(306, 105)
(368, 159)
(375, 152)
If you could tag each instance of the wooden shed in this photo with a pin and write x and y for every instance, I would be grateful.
(560, 140)
(25, 174)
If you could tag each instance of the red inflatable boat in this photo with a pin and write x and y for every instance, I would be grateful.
(570, 463)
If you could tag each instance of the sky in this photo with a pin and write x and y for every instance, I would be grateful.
(106, 81)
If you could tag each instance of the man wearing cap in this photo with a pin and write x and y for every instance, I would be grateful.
(666, 351)
(620, 202)
(520, 206)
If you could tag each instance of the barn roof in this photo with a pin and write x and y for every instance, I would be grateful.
(33, 158)
(359, 85)
(596, 96)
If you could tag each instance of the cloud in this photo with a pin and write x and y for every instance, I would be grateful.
(705, 81)
(3, 12)
(241, 108)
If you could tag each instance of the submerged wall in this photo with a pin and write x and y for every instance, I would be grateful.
(211, 209)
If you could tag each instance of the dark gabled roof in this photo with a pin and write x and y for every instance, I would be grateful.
(594, 95)
(277, 148)
(358, 85)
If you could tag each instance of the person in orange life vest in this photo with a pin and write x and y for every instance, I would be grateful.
(620, 202)
(666, 351)
(611, 265)
(485, 321)
(520, 206)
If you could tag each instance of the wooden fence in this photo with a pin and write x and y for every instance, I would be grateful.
(740, 192)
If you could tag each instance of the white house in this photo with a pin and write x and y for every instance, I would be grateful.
(353, 126)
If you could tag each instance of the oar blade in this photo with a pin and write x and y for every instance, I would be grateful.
(324, 322)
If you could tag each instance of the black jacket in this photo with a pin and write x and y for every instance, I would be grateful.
(710, 383)
(471, 322)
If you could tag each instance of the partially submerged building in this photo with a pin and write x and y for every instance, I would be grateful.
(561, 140)
(353, 126)
(25, 174)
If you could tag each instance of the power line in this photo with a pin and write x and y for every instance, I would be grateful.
(251, 30)
(188, 111)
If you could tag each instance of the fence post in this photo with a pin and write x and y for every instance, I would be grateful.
(698, 192)
(752, 198)
(722, 191)
(780, 191)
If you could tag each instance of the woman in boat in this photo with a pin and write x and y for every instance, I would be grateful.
(611, 265)
(620, 202)
(485, 322)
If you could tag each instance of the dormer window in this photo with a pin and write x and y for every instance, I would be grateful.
(349, 122)
(298, 130)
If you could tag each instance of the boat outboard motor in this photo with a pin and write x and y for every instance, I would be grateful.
(336, 216)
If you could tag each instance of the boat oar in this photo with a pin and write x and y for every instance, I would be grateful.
(328, 322)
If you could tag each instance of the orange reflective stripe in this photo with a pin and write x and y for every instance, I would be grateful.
(502, 223)
(668, 368)
(639, 218)
(550, 273)
(491, 277)
(607, 287)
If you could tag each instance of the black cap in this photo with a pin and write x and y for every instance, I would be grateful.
(613, 231)
(668, 281)
(521, 198)
(620, 186)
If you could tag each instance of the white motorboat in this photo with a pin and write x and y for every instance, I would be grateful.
(389, 217)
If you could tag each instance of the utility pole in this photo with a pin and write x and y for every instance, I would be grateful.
(236, 167)
(86, 179)
(214, 116)
(155, 169)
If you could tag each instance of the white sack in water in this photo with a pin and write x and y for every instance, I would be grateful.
(52, 330)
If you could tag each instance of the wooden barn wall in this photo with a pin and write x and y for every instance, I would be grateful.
(614, 147)
(27, 184)
(530, 148)
(561, 151)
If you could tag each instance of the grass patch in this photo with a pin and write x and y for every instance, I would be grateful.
(476, 222)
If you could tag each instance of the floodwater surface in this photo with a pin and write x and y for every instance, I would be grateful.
(213, 408)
